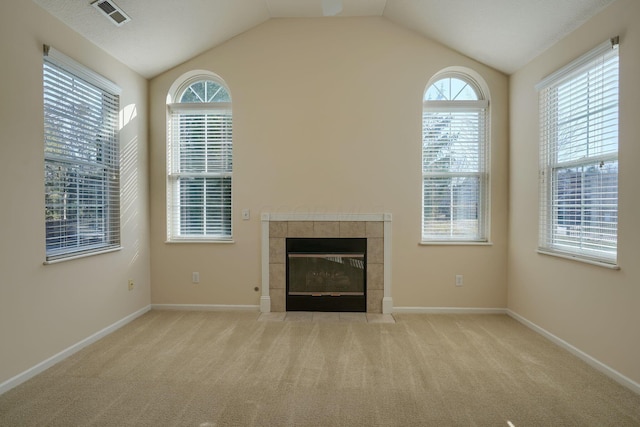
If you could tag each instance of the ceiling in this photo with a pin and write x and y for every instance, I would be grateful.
(504, 34)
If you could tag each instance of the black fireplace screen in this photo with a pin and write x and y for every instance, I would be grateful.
(326, 274)
(326, 266)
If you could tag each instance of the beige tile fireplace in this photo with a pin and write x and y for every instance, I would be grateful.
(277, 227)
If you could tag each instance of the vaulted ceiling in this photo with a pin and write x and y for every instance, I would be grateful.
(504, 34)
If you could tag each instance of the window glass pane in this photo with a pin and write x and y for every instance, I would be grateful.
(450, 89)
(205, 206)
(451, 207)
(192, 142)
(205, 91)
(218, 206)
(219, 148)
(587, 110)
(191, 205)
(452, 141)
(217, 93)
(194, 93)
(584, 203)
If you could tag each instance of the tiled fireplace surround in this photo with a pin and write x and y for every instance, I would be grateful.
(376, 228)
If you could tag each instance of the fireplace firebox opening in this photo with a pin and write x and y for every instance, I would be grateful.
(326, 274)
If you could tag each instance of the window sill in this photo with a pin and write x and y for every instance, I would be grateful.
(454, 243)
(84, 255)
(172, 242)
(578, 258)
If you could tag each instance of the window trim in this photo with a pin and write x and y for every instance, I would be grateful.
(82, 255)
(482, 104)
(546, 217)
(85, 73)
(61, 61)
(175, 107)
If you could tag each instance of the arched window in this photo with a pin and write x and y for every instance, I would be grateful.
(455, 176)
(199, 161)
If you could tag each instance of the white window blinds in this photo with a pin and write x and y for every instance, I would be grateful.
(579, 157)
(454, 171)
(200, 165)
(82, 191)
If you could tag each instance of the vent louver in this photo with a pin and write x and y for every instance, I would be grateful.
(112, 11)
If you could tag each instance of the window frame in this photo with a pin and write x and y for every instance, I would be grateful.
(480, 105)
(552, 212)
(67, 150)
(175, 108)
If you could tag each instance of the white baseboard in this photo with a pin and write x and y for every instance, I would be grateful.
(591, 361)
(205, 307)
(449, 310)
(46, 364)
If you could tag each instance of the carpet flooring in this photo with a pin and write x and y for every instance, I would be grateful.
(205, 369)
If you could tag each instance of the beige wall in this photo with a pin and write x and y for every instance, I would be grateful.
(46, 309)
(592, 308)
(327, 119)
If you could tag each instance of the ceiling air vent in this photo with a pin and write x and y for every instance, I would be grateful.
(112, 11)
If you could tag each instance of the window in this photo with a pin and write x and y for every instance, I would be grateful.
(579, 158)
(81, 159)
(454, 161)
(200, 162)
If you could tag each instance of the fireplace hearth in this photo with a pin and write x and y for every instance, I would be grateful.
(326, 274)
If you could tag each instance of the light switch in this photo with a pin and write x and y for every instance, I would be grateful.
(246, 214)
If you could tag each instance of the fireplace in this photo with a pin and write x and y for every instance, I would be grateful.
(326, 274)
(373, 228)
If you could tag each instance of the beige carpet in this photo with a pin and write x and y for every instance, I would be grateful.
(228, 369)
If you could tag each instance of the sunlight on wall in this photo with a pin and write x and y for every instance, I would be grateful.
(127, 114)
(129, 191)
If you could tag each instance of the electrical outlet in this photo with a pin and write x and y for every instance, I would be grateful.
(195, 277)
(459, 280)
(130, 284)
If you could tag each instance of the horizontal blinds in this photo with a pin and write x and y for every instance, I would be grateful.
(204, 142)
(452, 141)
(579, 158)
(454, 170)
(200, 173)
(203, 207)
(581, 63)
(53, 56)
(450, 208)
(81, 148)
